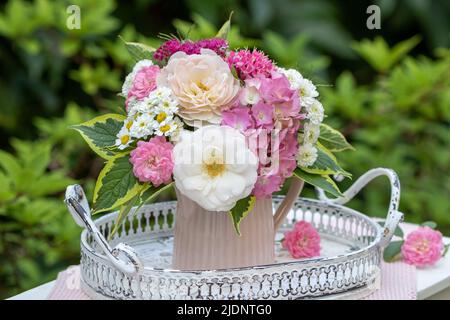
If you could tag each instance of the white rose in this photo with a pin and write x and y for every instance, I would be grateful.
(214, 167)
(202, 83)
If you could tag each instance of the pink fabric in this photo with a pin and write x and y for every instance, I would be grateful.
(398, 282)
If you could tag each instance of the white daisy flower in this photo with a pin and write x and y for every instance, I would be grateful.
(315, 112)
(123, 138)
(165, 128)
(142, 126)
(161, 117)
(311, 133)
(169, 106)
(176, 134)
(130, 77)
(133, 106)
(160, 94)
(307, 155)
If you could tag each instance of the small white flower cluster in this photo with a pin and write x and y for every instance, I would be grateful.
(308, 93)
(154, 115)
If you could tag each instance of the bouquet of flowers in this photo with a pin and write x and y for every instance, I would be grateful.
(224, 126)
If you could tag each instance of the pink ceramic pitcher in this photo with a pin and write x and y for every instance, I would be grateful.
(205, 240)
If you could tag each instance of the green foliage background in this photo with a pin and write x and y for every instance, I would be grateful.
(388, 90)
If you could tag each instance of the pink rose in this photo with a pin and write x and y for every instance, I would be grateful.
(423, 247)
(152, 161)
(303, 241)
(144, 82)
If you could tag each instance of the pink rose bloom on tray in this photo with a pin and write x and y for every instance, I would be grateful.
(303, 241)
(152, 161)
(423, 247)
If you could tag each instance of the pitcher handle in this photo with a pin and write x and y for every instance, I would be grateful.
(286, 205)
(393, 217)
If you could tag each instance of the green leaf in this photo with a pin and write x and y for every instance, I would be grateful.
(325, 164)
(333, 140)
(319, 181)
(116, 184)
(378, 54)
(225, 29)
(123, 213)
(392, 251)
(398, 231)
(152, 192)
(139, 51)
(101, 132)
(430, 224)
(241, 210)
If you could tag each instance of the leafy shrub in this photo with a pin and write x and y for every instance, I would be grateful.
(37, 236)
(393, 108)
(400, 121)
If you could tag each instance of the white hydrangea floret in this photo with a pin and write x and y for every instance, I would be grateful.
(315, 112)
(307, 92)
(295, 78)
(307, 155)
(128, 83)
(311, 133)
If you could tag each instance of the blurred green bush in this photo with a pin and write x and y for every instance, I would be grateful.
(390, 97)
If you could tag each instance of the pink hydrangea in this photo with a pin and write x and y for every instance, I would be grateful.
(303, 241)
(144, 82)
(278, 93)
(168, 48)
(152, 161)
(266, 185)
(263, 115)
(423, 247)
(250, 64)
(271, 124)
(238, 118)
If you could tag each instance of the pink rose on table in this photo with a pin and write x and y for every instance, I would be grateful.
(303, 241)
(423, 247)
(152, 161)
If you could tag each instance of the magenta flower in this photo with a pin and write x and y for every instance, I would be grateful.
(168, 48)
(251, 64)
(423, 247)
(144, 82)
(238, 118)
(152, 161)
(303, 241)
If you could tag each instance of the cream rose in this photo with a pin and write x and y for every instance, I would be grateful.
(214, 167)
(203, 84)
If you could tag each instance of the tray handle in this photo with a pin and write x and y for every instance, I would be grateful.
(122, 256)
(393, 217)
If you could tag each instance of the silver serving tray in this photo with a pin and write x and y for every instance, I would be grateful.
(136, 263)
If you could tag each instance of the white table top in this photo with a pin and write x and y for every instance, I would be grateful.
(430, 281)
